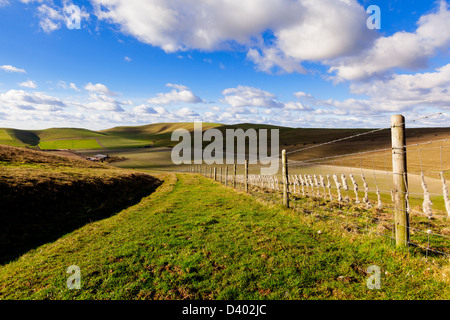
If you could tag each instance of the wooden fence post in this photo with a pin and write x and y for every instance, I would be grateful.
(215, 174)
(246, 175)
(399, 172)
(234, 176)
(285, 179)
(226, 176)
(221, 176)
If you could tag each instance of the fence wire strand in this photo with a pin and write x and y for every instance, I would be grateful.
(356, 191)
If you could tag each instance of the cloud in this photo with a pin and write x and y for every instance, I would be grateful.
(274, 58)
(297, 106)
(53, 17)
(328, 29)
(161, 110)
(99, 88)
(406, 50)
(9, 68)
(50, 19)
(431, 89)
(281, 35)
(127, 59)
(405, 93)
(19, 99)
(103, 102)
(303, 30)
(64, 85)
(187, 112)
(244, 96)
(31, 1)
(180, 93)
(241, 97)
(28, 84)
(144, 109)
(196, 24)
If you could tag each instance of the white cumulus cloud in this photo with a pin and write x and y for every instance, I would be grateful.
(28, 84)
(179, 94)
(64, 85)
(10, 68)
(99, 88)
(19, 99)
(407, 50)
(103, 102)
(244, 96)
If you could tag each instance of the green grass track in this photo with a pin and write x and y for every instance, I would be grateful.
(196, 239)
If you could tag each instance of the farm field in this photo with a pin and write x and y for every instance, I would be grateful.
(196, 239)
(73, 144)
(156, 159)
(119, 143)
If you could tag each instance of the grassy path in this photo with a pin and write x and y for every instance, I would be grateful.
(196, 239)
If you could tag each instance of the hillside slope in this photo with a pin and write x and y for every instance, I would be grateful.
(45, 196)
(159, 135)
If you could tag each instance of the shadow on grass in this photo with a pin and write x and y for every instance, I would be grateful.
(34, 215)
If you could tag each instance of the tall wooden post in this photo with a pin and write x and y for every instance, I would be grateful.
(246, 176)
(285, 179)
(234, 176)
(221, 175)
(215, 174)
(399, 171)
(226, 176)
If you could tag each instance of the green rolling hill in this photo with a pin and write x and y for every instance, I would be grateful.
(159, 133)
(129, 138)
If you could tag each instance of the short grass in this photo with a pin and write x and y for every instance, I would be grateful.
(70, 144)
(66, 133)
(7, 139)
(117, 143)
(196, 239)
(12, 143)
(4, 135)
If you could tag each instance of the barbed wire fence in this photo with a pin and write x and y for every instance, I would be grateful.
(361, 192)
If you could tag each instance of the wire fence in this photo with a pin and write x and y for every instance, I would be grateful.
(356, 190)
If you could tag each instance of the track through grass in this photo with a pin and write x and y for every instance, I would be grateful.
(196, 239)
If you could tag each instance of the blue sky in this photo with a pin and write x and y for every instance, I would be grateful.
(299, 63)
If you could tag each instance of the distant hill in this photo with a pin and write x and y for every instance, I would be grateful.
(308, 140)
(158, 134)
